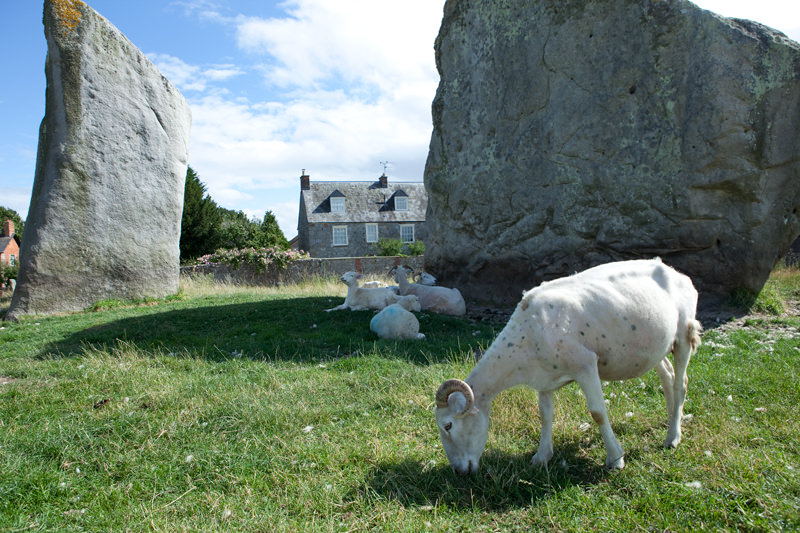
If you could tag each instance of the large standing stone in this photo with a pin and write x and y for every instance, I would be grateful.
(569, 133)
(105, 213)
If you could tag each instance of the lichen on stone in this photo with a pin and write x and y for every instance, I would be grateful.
(68, 13)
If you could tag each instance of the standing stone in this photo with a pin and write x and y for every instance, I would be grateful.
(569, 133)
(105, 213)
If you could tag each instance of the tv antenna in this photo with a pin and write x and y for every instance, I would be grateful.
(385, 165)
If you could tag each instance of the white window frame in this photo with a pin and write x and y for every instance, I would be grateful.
(403, 226)
(398, 200)
(13, 260)
(366, 230)
(333, 236)
(337, 204)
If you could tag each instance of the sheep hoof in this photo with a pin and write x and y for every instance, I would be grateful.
(541, 459)
(615, 464)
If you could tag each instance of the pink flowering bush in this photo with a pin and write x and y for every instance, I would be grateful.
(262, 259)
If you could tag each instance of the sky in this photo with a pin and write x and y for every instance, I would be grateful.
(340, 88)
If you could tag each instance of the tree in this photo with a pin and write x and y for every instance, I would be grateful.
(9, 214)
(200, 223)
(238, 231)
(271, 234)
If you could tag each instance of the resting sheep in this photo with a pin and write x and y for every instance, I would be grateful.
(611, 322)
(359, 298)
(396, 321)
(433, 298)
(427, 279)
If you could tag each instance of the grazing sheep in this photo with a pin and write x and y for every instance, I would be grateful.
(611, 322)
(396, 321)
(437, 299)
(359, 298)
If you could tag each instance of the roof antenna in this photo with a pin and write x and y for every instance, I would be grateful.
(385, 165)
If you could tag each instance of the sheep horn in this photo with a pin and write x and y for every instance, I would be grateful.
(455, 385)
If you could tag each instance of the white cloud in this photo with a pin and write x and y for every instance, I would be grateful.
(192, 77)
(778, 14)
(355, 41)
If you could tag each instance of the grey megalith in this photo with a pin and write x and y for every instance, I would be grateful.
(105, 212)
(569, 133)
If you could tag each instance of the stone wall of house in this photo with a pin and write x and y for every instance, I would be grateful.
(304, 269)
(321, 238)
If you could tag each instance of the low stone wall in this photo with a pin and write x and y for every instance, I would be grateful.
(304, 269)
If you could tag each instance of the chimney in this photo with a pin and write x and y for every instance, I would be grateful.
(384, 180)
(8, 228)
(305, 183)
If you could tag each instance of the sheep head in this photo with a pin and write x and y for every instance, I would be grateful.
(401, 272)
(350, 278)
(463, 428)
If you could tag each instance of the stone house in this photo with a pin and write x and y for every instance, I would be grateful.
(347, 218)
(9, 245)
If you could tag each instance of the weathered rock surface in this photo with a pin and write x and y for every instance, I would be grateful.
(105, 213)
(569, 133)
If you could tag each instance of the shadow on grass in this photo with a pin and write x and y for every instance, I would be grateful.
(295, 329)
(503, 482)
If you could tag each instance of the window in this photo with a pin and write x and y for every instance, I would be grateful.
(337, 204)
(401, 203)
(13, 260)
(340, 235)
(372, 233)
(407, 233)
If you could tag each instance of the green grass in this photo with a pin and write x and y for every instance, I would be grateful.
(244, 409)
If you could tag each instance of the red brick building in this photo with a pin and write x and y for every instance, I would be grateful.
(9, 245)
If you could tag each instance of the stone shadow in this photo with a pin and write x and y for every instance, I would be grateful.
(295, 329)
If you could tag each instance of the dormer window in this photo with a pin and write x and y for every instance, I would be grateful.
(337, 204)
(401, 203)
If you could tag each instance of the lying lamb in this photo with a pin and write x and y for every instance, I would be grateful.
(359, 298)
(396, 321)
(611, 322)
(434, 298)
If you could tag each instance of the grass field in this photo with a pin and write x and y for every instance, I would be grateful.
(243, 409)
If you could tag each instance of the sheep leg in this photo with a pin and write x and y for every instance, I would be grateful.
(545, 451)
(681, 355)
(592, 389)
(667, 376)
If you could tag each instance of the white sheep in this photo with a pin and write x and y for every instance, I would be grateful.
(437, 299)
(611, 322)
(396, 321)
(359, 298)
(427, 279)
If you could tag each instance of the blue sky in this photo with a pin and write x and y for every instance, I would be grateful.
(331, 86)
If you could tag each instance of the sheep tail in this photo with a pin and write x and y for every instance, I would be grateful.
(693, 335)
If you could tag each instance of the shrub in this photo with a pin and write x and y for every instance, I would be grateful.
(262, 259)
(416, 248)
(389, 247)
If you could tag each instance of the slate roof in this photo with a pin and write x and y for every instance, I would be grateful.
(365, 201)
(5, 241)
